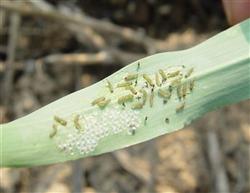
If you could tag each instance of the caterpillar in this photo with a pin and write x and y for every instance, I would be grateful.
(124, 84)
(189, 72)
(137, 105)
(131, 77)
(157, 80)
(163, 75)
(125, 98)
(173, 74)
(164, 93)
(54, 131)
(148, 79)
(110, 87)
(60, 121)
(180, 107)
(132, 89)
(98, 100)
(76, 123)
(104, 103)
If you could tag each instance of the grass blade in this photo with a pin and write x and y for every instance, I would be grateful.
(221, 73)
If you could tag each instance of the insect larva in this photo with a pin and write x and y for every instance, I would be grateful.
(96, 101)
(60, 121)
(137, 105)
(151, 99)
(145, 120)
(180, 107)
(104, 103)
(131, 77)
(179, 92)
(191, 85)
(184, 90)
(164, 93)
(124, 84)
(110, 87)
(163, 75)
(138, 66)
(167, 120)
(148, 79)
(157, 80)
(173, 74)
(132, 89)
(144, 95)
(189, 72)
(54, 131)
(125, 98)
(76, 122)
(175, 82)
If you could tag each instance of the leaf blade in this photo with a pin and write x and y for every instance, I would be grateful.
(222, 77)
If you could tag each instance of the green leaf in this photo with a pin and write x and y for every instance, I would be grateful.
(222, 76)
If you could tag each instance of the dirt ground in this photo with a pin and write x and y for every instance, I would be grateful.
(45, 69)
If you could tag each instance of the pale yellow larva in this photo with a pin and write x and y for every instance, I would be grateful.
(132, 89)
(137, 105)
(103, 104)
(189, 72)
(148, 79)
(76, 123)
(173, 74)
(163, 75)
(110, 86)
(124, 84)
(164, 93)
(96, 101)
(61, 121)
(54, 131)
(157, 80)
(125, 98)
(130, 77)
(180, 107)
(175, 82)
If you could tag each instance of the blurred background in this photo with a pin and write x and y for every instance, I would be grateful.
(50, 48)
